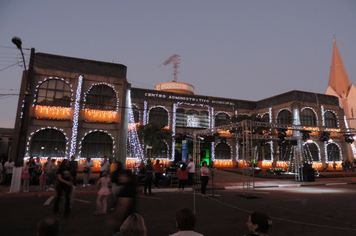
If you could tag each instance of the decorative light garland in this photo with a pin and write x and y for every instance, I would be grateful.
(353, 148)
(134, 148)
(270, 115)
(144, 112)
(107, 84)
(53, 112)
(336, 116)
(102, 131)
(48, 127)
(319, 155)
(326, 151)
(316, 115)
(322, 115)
(213, 152)
(45, 80)
(139, 113)
(159, 106)
(73, 144)
(283, 110)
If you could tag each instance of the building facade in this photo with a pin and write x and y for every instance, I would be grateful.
(87, 108)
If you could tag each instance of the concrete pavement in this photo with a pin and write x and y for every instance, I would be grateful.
(223, 180)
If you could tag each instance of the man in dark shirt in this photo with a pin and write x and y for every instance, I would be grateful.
(73, 165)
(148, 177)
(64, 184)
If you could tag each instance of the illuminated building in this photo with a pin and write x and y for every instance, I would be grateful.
(87, 108)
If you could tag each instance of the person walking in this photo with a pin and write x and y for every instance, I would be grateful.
(104, 166)
(191, 171)
(73, 165)
(31, 170)
(204, 177)
(88, 166)
(38, 171)
(25, 176)
(148, 177)
(101, 202)
(158, 173)
(182, 177)
(51, 173)
(64, 184)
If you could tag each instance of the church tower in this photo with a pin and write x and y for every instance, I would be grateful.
(341, 87)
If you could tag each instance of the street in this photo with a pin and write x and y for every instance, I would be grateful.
(312, 210)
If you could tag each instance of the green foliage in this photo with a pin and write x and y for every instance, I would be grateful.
(153, 135)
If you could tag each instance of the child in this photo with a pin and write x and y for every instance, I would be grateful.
(43, 177)
(101, 201)
(25, 176)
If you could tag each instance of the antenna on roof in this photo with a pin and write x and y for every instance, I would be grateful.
(176, 60)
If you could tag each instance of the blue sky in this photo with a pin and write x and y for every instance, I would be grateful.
(247, 50)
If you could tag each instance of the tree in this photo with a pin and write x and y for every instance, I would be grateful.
(153, 135)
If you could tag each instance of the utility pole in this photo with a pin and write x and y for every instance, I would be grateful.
(18, 149)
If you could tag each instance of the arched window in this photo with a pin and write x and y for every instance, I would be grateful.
(158, 116)
(160, 151)
(284, 117)
(192, 118)
(311, 152)
(101, 97)
(96, 145)
(308, 117)
(48, 143)
(204, 119)
(330, 119)
(136, 114)
(221, 119)
(265, 118)
(222, 151)
(180, 117)
(54, 92)
(333, 152)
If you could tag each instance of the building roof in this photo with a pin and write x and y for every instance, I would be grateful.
(79, 65)
(338, 79)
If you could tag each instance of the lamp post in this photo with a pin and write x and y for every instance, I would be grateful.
(20, 132)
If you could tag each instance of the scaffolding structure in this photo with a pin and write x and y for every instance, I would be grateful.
(248, 131)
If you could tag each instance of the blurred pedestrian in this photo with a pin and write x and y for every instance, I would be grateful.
(9, 168)
(104, 166)
(158, 173)
(31, 170)
(259, 224)
(182, 177)
(25, 176)
(73, 165)
(64, 184)
(88, 166)
(125, 202)
(116, 185)
(204, 177)
(49, 226)
(101, 202)
(38, 171)
(112, 166)
(148, 177)
(185, 222)
(191, 171)
(51, 173)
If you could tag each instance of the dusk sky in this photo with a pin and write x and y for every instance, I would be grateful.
(248, 50)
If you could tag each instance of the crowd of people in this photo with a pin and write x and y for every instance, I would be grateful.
(120, 183)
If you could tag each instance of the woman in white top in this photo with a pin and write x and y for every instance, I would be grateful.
(88, 166)
(204, 177)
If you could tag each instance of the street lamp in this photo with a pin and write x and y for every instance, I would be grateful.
(20, 131)
(17, 41)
